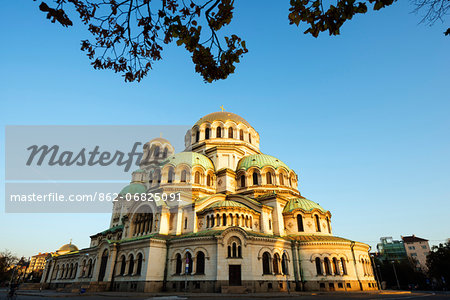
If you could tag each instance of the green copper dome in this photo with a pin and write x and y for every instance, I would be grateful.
(226, 203)
(191, 159)
(302, 203)
(260, 161)
(133, 188)
(139, 171)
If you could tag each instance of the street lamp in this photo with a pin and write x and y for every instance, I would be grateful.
(395, 273)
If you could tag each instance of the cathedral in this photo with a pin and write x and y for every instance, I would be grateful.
(220, 216)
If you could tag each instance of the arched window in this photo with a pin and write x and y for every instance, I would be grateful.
(234, 247)
(276, 263)
(200, 268)
(207, 134)
(243, 181)
(284, 264)
(212, 221)
(335, 266)
(266, 263)
(364, 266)
(250, 138)
(300, 223)
(281, 179)
(139, 264)
(317, 221)
(103, 263)
(178, 264)
(326, 262)
(71, 271)
(290, 181)
(156, 153)
(185, 223)
(328, 225)
(224, 220)
(90, 268)
(55, 275)
(131, 265)
(197, 136)
(241, 135)
(170, 175)
(318, 266)
(123, 263)
(207, 221)
(183, 176)
(255, 178)
(197, 177)
(270, 224)
(219, 132)
(75, 269)
(189, 262)
(230, 132)
(208, 180)
(344, 267)
(268, 178)
(150, 180)
(165, 152)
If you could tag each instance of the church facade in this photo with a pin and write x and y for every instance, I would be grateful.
(237, 223)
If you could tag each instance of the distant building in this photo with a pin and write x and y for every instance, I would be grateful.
(417, 249)
(391, 250)
(37, 262)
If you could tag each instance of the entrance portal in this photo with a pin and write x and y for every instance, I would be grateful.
(234, 275)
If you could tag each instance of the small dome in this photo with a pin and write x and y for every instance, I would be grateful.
(133, 188)
(225, 203)
(303, 204)
(67, 248)
(191, 159)
(222, 116)
(260, 161)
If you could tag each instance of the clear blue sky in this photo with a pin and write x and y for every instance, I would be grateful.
(363, 118)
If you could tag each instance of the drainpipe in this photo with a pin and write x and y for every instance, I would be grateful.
(166, 269)
(302, 288)
(295, 261)
(354, 263)
(374, 270)
(116, 246)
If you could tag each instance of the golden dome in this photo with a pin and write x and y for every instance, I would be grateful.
(67, 248)
(222, 116)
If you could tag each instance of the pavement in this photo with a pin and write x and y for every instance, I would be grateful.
(387, 294)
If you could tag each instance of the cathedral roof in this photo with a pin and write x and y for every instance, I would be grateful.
(191, 159)
(303, 204)
(260, 161)
(222, 116)
(133, 188)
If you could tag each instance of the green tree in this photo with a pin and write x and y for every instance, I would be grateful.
(438, 263)
(129, 34)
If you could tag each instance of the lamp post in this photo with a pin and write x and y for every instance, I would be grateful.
(395, 273)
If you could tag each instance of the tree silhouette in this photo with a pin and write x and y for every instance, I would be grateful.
(129, 34)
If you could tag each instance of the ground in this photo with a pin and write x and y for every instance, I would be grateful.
(30, 295)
